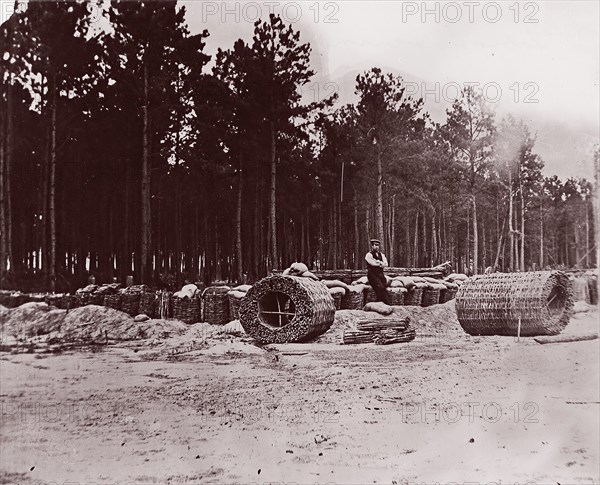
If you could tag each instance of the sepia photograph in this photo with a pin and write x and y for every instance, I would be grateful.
(304, 242)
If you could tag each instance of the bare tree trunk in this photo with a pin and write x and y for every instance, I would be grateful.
(522, 255)
(416, 242)
(475, 237)
(484, 255)
(434, 249)
(596, 203)
(340, 244)
(392, 252)
(7, 153)
(576, 231)
(321, 258)
(308, 253)
(356, 235)
(423, 241)
(541, 236)
(517, 246)
(52, 194)
(4, 114)
(500, 245)
(447, 255)
(379, 207)
(468, 259)
(334, 236)
(408, 258)
(511, 236)
(257, 239)
(272, 202)
(587, 235)
(146, 200)
(238, 225)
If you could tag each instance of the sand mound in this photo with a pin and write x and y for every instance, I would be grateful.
(202, 337)
(432, 321)
(31, 319)
(160, 329)
(98, 323)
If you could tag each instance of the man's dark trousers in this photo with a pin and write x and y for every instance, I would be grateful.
(377, 281)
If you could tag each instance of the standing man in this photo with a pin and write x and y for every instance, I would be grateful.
(376, 261)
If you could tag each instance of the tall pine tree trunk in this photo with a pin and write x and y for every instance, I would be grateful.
(408, 258)
(587, 235)
(392, 248)
(6, 157)
(272, 202)
(356, 236)
(146, 201)
(499, 248)
(522, 254)
(475, 237)
(511, 235)
(52, 192)
(541, 236)
(416, 242)
(238, 225)
(4, 149)
(434, 249)
(379, 207)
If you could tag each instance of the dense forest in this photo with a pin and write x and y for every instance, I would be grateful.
(126, 150)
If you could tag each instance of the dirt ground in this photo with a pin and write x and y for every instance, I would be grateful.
(444, 408)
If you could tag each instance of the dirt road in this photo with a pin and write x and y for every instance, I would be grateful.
(458, 409)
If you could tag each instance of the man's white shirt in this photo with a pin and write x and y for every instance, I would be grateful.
(375, 262)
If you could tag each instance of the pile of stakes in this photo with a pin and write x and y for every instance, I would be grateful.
(381, 332)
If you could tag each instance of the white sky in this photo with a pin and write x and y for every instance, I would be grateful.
(558, 56)
(544, 56)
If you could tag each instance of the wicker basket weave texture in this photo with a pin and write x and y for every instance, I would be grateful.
(312, 304)
(130, 303)
(431, 296)
(187, 310)
(396, 296)
(449, 294)
(216, 305)
(113, 301)
(352, 300)
(413, 297)
(147, 304)
(234, 307)
(494, 304)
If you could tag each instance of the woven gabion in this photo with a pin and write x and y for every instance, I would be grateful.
(541, 302)
(216, 305)
(281, 309)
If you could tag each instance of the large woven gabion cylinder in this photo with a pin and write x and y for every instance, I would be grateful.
(281, 309)
(494, 304)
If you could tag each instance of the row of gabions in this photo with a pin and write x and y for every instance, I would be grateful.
(289, 309)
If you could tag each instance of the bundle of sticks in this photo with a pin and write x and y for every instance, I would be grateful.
(381, 332)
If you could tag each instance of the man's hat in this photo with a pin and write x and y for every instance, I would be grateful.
(373, 241)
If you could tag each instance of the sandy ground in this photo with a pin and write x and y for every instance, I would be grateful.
(440, 409)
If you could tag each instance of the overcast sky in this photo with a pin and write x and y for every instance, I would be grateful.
(537, 60)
